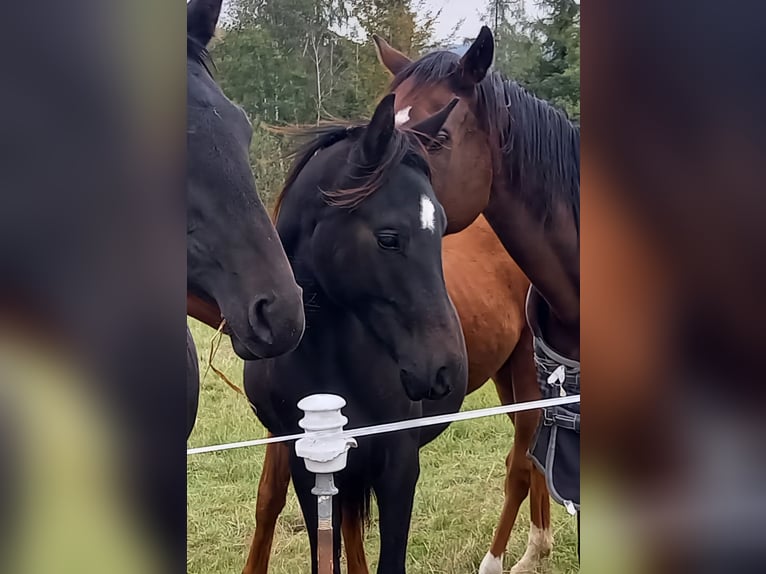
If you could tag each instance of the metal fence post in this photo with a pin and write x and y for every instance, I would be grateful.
(324, 455)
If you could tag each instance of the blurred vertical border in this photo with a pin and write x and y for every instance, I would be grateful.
(673, 286)
(92, 287)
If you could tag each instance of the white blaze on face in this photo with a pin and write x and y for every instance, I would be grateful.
(402, 116)
(427, 214)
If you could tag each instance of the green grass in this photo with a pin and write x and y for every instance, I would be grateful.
(457, 503)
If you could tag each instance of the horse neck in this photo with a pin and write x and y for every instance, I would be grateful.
(545, 245)
(548, 253)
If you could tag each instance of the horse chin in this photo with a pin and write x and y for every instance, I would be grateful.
(413, 396)
(252, 348)
(242, 350)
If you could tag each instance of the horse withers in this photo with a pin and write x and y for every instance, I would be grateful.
(363, 228)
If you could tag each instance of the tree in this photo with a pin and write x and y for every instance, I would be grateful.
(517, 42)
(408, 25)
(542, 54)
(558, 70)
(275, 53)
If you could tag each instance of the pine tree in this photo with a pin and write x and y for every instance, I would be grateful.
(558, 70)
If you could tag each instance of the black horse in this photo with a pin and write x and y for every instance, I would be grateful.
(236, 267)
(363, 230)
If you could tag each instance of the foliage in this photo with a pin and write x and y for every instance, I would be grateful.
(543, 54)
(268, 153)
(299, 61)
(558, 70)
(518, 48)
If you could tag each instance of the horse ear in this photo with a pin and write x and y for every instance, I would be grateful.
(391, 58)
(475, 62)
(202, 18)
(428, 129)
(378, 134)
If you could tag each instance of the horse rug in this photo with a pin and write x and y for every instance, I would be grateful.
(555, 449)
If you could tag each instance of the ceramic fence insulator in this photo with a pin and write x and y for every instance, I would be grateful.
(324, 455)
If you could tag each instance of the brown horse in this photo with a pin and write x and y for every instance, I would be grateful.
(507, 154)
(488, 290)
(532, 200)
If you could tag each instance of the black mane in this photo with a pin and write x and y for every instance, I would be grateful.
(540, 146)
(404, 148)
(199, 53)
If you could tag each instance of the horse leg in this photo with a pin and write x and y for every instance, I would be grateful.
(526, 388)
(272, 495)
(492, 563)
(395, 493)
(540, 541)
(517, 482)
(303, 482)
(351, 528)
(516, 381)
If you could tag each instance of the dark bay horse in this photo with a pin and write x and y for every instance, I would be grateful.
(530, 193)
(236, 267)
(363, 230)
(498, 342)
(526, 181)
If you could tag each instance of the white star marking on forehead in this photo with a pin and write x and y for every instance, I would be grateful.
(402, 116)
(427, 214)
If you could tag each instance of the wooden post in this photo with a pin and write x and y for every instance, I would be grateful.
(324, 491)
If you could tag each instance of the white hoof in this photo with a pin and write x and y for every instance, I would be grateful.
(524, 567)
(539, 545)
(491, 564)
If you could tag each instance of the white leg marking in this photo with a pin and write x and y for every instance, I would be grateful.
(427, 214)
(491, 564)
(539, 545)
(402, 116)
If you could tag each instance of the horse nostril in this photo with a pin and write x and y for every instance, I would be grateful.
(442, 386)
(259, 320)
(413, 387)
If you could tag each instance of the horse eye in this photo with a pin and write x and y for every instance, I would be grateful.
(439, 141)
(388, 240)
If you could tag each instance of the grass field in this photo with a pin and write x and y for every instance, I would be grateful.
(457, 503)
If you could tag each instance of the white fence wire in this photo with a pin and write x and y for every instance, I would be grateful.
(395, 426)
